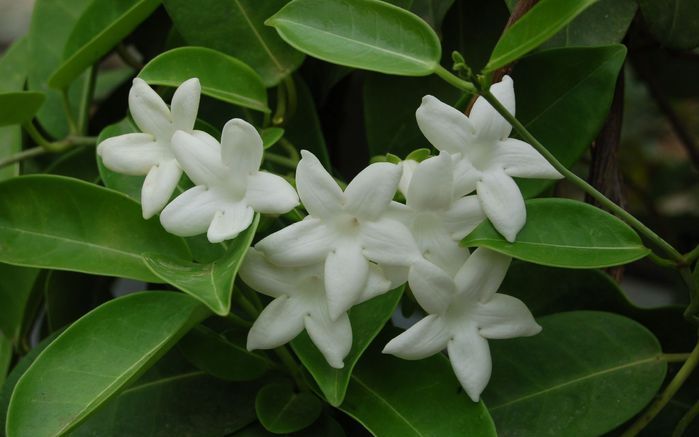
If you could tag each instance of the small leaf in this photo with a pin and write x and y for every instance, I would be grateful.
(211, 283)
(367, 319)
(539, 24)
(672, 22)
(67, 224)
(281, 410)
(18, 107)
(92, 360)
(565, 233)
(222, 77)
(582, 363)
(270, 136)
(367, 34)
(101, 27)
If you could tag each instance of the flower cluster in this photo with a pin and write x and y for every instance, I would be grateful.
(355, 243)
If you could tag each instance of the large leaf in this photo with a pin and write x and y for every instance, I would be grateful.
(394, 397)
(13, 73)
(222, 77)
(5, 356)
(672, 22)
(584, 374)
(20, 106)
(211, 283)
(15, 289)
(367, 320)
(281, 410)
(563, 97)
(367, 34)
(100, 27)
(67, 224)
(539, 24)
(605, 22)
(565, 233)
(95, 358)
(237, 27)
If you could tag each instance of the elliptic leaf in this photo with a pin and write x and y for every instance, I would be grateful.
(281, 410)
(672, 22)
(18, 107)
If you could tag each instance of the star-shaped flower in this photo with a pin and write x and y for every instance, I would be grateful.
(344, 230)
(487, 159)
(229, 186)
(464, 311)
(300, 303)
(149, 152)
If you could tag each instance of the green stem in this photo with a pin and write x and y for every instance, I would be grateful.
(675, 358)
(285, 357)
(72, 125)
(291, 96)
(454, 80)
(667, 394)
(239, 321)
(692, 255)
(280, 160)
(662, 262)
(280, 113)
(686, 420)
(20, 156)
(290, 149)
(86, 101)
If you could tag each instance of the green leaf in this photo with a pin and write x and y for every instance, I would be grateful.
(15, 289)
(605, 22)
(18, 107)
(100, 27)
(367, 320)
(281, 410)
(220, 357)
(573, 378)
(565, 233)
(539, 24)
(394, 397)
(5, 356)
(66, 224)
(237, 27)
(92, 360)
(210, 283)
(13, 73)
(222, 77)
(563, 98)
(271, 135)
(366, 34)
(78, 163)
(673, 22)
(303, 126)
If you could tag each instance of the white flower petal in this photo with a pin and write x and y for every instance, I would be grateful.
(425, 338)
(388, 241)
(278, 323)
(241, 147)
(432, 287)
(489, 124)
(191, 212)
(409, 166)
(346, 274)
(270, 194)
(432, 184)
(482, 274)
(266, 278)
(465, 177)
(505, 316)
(463, 216)
(158, 187)
(520, 159)
(470, 358)
(149, 111)
(446, 128)
(208, 140)
(132, 154)
(185, 104)
(436, 245)
(396, 275)
(502, 203)
(318, 191)
(332, 337)
(230, 220)
(302, 243)
(371, 191)
(200, 161)
(377, 283)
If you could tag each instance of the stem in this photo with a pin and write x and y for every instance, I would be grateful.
(280, 160)
(72, 125)
(662, 262)
(290, 149)
(291, 96)
(285, 357)
(675, 358)
(25, 154)
(86, 101)
(35, 135)
(686, 420)
(128, 58)
(280, 112)
(455, 81)
(238, 321)
(692, 255)
(666, 395)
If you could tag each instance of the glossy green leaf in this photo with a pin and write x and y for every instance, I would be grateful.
(18, 107)
(101, 27)
(367, 34)
(237, 27)
(5, 356)
(565, 233)
(542, 21)
(367, 320)
(271, 135)
(13, 74)
(563, 98)
(394, 397)
(66, 224)
(221, 357)
(15, 289)
(281, 410)
(222, 77)
(605, 22)
(303, 127)
(673, 22)
(92, 360)
(560, 382)
(78, 163)
(211, 283)
(326, 426)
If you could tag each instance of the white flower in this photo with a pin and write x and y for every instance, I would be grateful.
(463, 312)
(487, 159)
(345, 230)
(229, 186)
(150, 153)
(300, 302)
(409, 166)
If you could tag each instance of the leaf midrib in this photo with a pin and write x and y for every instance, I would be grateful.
(562, 246)
(261, 40)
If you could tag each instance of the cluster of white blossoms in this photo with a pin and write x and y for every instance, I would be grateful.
(355, 243)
